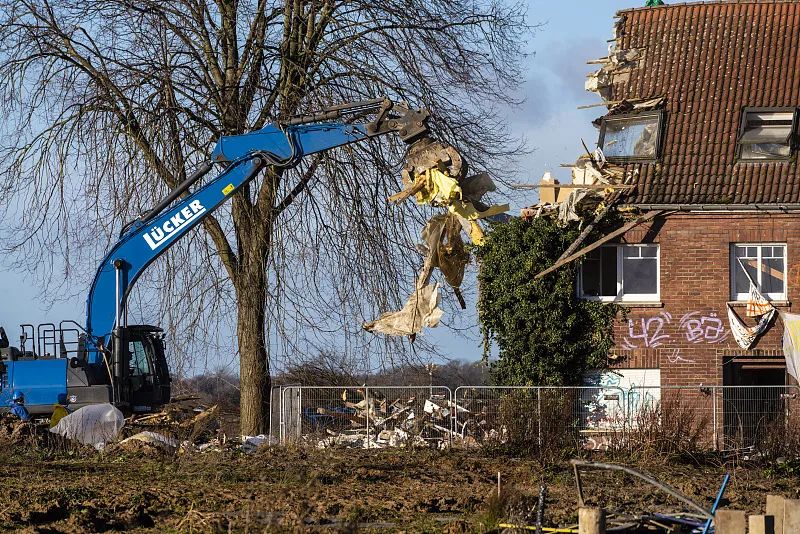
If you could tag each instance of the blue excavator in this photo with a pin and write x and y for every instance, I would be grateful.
(107, 360)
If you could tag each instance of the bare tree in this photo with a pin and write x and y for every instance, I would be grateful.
(110, 103)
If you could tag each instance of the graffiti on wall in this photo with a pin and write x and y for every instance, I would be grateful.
(695, 326)
(700, 328)
(610, 396)
(647, 332)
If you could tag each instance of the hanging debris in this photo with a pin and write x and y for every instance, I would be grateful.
(436, 176)
(444, 249)
(421, 310)
(446, 185)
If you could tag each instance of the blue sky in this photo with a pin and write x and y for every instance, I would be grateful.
(571, 32)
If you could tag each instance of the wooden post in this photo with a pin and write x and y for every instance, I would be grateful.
(761, 524)
(591, 521)
(775, 509)
(791, 515)
(730, 522)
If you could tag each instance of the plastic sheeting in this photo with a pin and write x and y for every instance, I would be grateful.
(421, 310)
(443, 249)
(93, 425)
(791, 342)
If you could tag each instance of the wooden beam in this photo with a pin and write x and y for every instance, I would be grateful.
(605, 239)
(572, 186)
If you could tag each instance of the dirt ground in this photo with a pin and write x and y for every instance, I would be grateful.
(306, 490)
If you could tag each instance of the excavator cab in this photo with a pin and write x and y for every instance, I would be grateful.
(145, 381)
(61, 364)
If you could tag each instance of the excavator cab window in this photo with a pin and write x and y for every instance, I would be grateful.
(140, 365)
(148, 375)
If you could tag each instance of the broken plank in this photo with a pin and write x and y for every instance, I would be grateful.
(572, 186)
(608, 103)
(636, 222)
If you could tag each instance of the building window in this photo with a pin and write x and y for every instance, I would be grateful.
(620, 273)
(632, 136)
(767, 134)
(766, 266)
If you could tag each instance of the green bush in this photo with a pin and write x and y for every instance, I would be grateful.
(546, 335)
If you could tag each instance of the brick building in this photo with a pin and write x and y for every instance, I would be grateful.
(704, 102)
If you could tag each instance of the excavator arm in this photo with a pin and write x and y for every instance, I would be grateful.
(125, 364)
(284, 145)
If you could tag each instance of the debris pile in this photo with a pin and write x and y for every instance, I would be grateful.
(376, 422)
(594, 180)
(182, 424)
(614, 68)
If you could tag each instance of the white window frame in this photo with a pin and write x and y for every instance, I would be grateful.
(627, 120)
(765, 114)
(621, 295)
(744, 297)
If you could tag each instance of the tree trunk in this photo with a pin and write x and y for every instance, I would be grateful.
(254, 379)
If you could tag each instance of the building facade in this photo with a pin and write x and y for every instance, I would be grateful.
(703, 102)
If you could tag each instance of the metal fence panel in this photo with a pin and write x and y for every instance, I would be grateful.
(593, 417)
(724, 417)
(366, 416)
(752, 414)
(544, 416)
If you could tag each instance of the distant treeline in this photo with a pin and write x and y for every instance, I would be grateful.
(222, 387)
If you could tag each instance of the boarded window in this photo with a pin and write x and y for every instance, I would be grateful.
(767, 135)
(631, 137)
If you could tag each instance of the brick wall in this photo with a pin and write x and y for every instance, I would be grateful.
(688, 334)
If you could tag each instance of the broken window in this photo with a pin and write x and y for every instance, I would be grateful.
(767, 134)
(765, 264)
(620, 273)
(631, 137)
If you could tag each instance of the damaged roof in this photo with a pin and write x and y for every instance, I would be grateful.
(710, 60)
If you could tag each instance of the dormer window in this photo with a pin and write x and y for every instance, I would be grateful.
(631, 136)
(767, 134)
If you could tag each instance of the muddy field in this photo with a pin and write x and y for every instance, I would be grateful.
(293, 489)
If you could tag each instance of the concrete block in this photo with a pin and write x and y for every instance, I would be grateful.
(775, 509)
(761, 524)
(730, 522)
(591, 521)
(791, 515)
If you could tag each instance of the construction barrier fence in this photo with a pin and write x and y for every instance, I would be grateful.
(587, 417)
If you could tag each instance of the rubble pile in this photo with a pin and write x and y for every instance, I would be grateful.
(183, 424)
(376, 422)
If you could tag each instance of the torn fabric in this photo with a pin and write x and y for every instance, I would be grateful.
(791, 342)
(421, 310)
(757, 304)
(745, 335)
